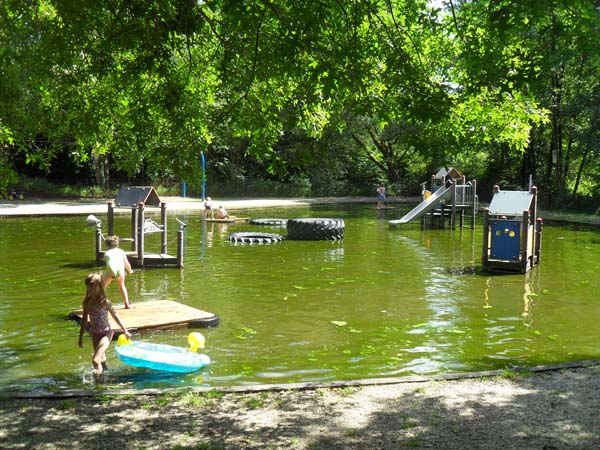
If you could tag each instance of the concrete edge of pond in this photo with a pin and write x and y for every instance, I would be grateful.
(516, 371)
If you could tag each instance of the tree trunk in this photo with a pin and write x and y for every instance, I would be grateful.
(580, 171)
(101, 170)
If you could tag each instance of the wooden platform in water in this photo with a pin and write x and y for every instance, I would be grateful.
(153, 259)
(150, 259)
(158, 314)
(228, 220)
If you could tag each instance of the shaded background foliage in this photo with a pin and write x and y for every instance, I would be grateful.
(301, 98)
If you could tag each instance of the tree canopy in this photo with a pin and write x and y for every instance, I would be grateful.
(382, 90)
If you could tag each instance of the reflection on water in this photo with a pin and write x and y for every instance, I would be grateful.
(380, 302)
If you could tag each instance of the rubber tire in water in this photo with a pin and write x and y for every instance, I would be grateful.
(315, 229)
(254, 238)
(273, 222)
(204, 323)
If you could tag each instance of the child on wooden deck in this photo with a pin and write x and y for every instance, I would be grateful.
(117, 266)
(208, 206)
(222, 213)
(95, 312)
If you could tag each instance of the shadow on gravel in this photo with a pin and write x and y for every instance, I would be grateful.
(546, 411)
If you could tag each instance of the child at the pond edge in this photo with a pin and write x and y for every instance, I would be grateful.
(96, 307)
(381, 197)
(117, 266)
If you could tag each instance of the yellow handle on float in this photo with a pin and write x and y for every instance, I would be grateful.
(122, 340)
(196, 341)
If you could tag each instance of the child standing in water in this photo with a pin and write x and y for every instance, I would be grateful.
(208, 206)
(381, 197)
(95, 312)
(117, 266)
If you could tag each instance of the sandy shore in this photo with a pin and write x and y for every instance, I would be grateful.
(547, 410)
(36, 207)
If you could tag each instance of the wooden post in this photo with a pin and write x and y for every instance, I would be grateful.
(452, 223)
(98, 241)
(110, 221)
(180, 247)
(538, 239)
(140, 234)
(533, 208)
(525, 242)
(134, 229)
(486, 237)
(163, 234)
(474, 204)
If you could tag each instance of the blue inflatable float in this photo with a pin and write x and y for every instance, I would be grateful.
(166, 358)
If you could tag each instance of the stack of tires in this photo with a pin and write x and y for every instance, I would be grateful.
(297, 229)
(315, 229)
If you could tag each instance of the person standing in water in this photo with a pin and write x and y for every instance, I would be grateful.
(381, 197)
(117, 266)
(96, 307)
(208, 206)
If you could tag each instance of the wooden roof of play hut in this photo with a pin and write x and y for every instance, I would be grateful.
(447, 172)
(131, 196)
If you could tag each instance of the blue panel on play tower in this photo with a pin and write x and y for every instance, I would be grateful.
(505, 239)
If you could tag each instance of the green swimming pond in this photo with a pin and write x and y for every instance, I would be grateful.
(381, 303)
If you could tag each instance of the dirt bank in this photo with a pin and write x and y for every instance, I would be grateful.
(549, 410)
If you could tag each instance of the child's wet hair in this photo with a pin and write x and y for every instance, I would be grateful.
(112, 241)
(93, 278)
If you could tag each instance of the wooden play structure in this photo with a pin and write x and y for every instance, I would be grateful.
(512, 232)
(137, 199)
(158, 314)
(450, 195)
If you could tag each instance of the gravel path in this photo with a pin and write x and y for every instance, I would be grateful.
(548, 410)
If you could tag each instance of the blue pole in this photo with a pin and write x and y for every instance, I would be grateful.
(184, 189)
(203, 175)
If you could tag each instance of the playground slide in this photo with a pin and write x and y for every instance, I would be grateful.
(443, 193)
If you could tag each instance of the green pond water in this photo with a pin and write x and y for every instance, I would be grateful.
(381, 303)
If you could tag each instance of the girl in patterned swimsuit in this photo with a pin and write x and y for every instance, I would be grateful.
(95, 312)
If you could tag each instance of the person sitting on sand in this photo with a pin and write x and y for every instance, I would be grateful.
(222, 213)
